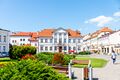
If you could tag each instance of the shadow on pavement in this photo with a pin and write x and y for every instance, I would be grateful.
(95, 79)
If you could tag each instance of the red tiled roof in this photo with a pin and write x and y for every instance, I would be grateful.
(73, 33)
(46, 33)
(104, 29)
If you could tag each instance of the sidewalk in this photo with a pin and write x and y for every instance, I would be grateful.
(109, 72)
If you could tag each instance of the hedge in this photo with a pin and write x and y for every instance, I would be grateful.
(16, 52)
(29, 70)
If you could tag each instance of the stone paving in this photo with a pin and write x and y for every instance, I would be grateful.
(109, 72)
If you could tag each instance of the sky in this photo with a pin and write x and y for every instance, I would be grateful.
(35, 15)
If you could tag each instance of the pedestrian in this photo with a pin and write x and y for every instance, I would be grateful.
(113, 56)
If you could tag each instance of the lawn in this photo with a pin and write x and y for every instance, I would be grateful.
(95, 62)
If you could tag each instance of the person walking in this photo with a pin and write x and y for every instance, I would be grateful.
(113, 56)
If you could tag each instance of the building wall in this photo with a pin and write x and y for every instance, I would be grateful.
(4, 41)
(59, 38)
(19, 40)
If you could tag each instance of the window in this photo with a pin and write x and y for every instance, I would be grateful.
(41, 48)
(65, 48)
(23, 39)
(0, 38)
(55, 47)
(78, 47)
(69, 48)
(64, 34)
(55, 40)
(46, 48)
(0, 49)
(69, 41)
(60, 34)
(64, 40)
(20, 39)
(60, 40)
(15, 41)
(41, 40)
(4, 38)
(74, 48)
(55, 34)
(46, 40)
(51, 48)
(73, 40)
(12, 41)
(4, 48)
(35, 44)
(78, 40)
(50, 40)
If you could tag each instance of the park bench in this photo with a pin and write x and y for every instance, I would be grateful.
(61, 69)
(84, 62)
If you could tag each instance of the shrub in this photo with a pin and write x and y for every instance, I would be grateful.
(58, 58)
(28, 56)
(84, 53)
(17, 52)
(29, 70)
(67, 58)
(45, 57)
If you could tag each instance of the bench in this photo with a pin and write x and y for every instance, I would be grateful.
(84, 62)
(61, 69)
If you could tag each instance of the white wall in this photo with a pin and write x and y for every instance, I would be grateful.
(18, 42)
(60, 33)
(2, 43)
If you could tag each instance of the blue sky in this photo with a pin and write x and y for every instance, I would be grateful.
(35, 15)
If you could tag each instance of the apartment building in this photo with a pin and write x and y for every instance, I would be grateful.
(93, 42)
(110, 42)
(4, 41)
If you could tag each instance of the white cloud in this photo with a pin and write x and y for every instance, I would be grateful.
(117, 14)
(100, 20)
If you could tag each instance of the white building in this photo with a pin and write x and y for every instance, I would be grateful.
(94, 41)
(59, 40)
(110, 42)
(50, 40)
(24, 38)
(4, 41)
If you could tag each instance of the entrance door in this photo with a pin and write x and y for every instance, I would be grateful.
(60, 49)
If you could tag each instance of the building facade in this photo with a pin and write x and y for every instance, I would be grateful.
(94, 41)
(50, 40)
(102, 41)
(4, 41)
(59, 40)
(24, 38)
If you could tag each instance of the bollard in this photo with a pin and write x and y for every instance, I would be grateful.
(90, 73)
(69, 71)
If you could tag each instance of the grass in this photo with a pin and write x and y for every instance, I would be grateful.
(95, 62)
